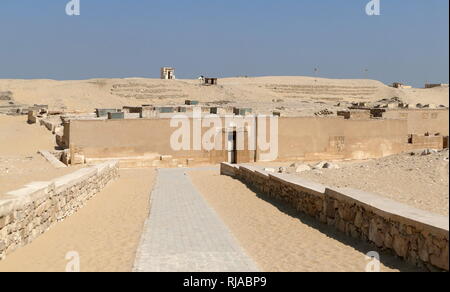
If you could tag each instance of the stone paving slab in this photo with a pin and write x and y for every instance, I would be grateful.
(183, 234)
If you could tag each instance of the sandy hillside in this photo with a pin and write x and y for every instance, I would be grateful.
(260, 93)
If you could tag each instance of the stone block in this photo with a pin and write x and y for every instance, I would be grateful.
(440, 260)
(400, 246)
(375, 235)
(166, 157)
(77, 159)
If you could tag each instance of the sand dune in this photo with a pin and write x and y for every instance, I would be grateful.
(260, 92)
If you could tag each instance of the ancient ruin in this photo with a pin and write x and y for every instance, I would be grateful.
(300, 138)
(278, 141)
(167, 73)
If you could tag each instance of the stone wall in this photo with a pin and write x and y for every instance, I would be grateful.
(421, 121)
(299, 138)
(417, 236)
(28, 212)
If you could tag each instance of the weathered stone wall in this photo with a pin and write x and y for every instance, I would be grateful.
(417, 236)
(423, 142)
(299, 138)
(28, 212)
(421, 121)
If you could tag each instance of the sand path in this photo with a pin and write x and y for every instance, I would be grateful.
(278, 238)
(105, 232)
(183, 234)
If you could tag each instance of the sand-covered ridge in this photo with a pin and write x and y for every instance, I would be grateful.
(261, 93)
(105, 232)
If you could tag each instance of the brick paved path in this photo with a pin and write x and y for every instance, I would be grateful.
(183, 234)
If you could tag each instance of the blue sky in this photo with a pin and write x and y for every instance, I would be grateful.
(134, 38)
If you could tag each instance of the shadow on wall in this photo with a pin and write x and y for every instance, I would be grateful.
(387, 257)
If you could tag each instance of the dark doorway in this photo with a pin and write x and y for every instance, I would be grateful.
(232, 147)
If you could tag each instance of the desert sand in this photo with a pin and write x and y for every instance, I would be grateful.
(291, 95)
(416, 180)
(105, 232)
(278, 238)
(20, 163)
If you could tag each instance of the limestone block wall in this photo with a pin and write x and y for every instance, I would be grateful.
(417, 236)
(421, 121)
(28, 212)
(422, 142)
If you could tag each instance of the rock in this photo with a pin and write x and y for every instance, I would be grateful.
(272, 170)
(319, 165)
(302, 168)
(429, 152)
(440, 261)
(400, 245)
(375, 235)
(6, 95)
(282, 170)
(326, 165)
(423, 251)
(353, 231)
(330, 210)
(324, 112)
(330, 165)
(358, 220)
(388, 240)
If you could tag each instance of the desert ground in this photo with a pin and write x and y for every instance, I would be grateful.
(105, 233)
(19, 161)
(289, 95)
(414, 179)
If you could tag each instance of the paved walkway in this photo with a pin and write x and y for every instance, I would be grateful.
(183, 234)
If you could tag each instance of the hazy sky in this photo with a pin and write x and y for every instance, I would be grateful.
(409, 42)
